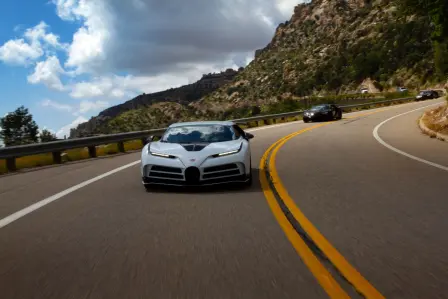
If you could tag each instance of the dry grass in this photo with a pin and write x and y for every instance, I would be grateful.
(2, 166)
(437, 119)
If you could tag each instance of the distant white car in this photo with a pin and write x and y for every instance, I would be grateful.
(364, 90)
(197, 154)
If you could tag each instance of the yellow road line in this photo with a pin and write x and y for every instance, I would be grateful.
(348, 271)
(325, 279)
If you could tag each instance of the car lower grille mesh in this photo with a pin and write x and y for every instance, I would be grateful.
(221, 168)
(165, 172)
(166, 169)
(221, 174)
(221, 171)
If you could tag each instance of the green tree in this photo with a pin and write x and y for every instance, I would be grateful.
(18, 128)
(47, 136)
(437, 12)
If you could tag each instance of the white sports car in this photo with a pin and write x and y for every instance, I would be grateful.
(198, 153)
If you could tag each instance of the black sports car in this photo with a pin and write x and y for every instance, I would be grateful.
(427, 95)
(322, 112)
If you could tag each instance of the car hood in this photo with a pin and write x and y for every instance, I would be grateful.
(194, 154)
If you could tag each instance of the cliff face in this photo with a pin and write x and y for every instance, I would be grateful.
(182, 95)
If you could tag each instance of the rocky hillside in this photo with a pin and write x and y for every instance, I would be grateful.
(174, 97)
(328, 47)
(333, 46)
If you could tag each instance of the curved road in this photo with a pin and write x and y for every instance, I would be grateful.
(384, 212)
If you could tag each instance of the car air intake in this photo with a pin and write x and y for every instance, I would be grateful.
(221, 168)
(166, 169)
(192, 175)
(194, 147)
(165, 172)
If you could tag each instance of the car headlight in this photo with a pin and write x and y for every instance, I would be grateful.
(229, 152)
(161, 155)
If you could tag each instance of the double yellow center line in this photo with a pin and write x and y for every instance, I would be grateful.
(274, 192)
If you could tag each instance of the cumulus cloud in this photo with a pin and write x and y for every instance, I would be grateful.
(39, 36)
(150, 37)
(36, 41)
(65, 130)
(48, 72)
(19, 52)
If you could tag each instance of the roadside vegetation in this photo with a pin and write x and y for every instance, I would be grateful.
(135, 145)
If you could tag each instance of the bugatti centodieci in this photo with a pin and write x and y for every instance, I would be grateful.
(198, 154)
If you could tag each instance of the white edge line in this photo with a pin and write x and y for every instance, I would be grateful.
(19, 214)
(380, 140)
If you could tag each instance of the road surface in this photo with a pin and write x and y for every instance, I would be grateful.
(384, 212)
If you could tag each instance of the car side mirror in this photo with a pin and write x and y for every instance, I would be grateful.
(249, 136)
(151, 139)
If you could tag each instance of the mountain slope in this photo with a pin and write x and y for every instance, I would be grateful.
(333, 46)
(327, 47)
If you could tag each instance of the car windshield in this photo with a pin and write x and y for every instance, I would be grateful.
(320, 107)
(199, 134)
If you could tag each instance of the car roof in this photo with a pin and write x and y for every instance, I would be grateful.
(202, 123)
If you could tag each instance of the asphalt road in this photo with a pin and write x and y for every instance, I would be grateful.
(384, 212)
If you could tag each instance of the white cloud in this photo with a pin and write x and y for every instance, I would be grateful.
(48, 72)
(95, 88)
(149, 37)
(87, 49)
(35, 43)
(287, 6)
(38, 34)
(65, 130)
(56, 105)
(19, 52)
(87, 106)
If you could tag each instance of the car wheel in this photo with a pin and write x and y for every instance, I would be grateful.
(339, 115)
(306, 121)
(148, 188)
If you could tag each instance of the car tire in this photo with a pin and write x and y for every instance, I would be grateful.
(306, 121)
(339, 115)
(148, 188)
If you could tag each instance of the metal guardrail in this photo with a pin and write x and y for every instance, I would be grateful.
(57, 147)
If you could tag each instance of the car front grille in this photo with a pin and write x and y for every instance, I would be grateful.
(156, 174)
(164, 172)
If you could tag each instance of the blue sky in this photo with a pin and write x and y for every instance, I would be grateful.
(67, 60)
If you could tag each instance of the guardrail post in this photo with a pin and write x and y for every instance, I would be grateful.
(121, 147)
(57, 159)
(11, 164)
(92, 151)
